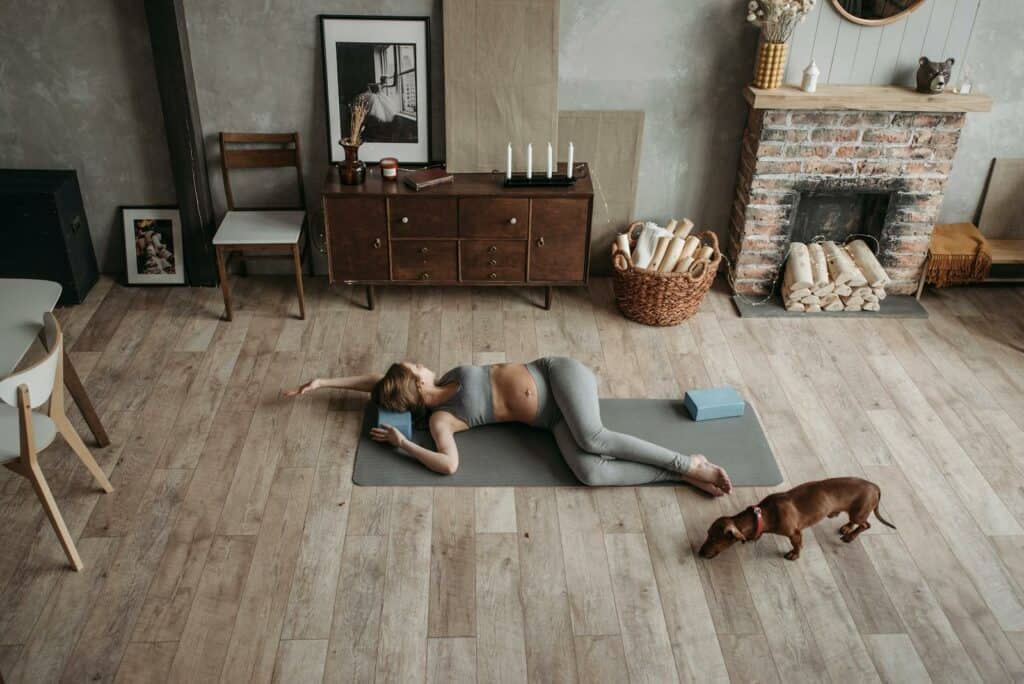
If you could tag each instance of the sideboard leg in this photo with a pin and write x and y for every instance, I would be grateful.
(547, 298)
(371, 298)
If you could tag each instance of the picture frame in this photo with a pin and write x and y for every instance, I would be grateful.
(153, 245)
(385, 60)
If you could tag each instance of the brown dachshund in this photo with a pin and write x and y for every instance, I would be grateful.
(787, 513)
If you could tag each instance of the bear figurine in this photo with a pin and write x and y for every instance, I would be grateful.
(932, 77)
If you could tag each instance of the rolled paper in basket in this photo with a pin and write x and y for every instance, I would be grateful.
(622, 243)
(705, 254)
(698, 268)
(684, 265)
(690, 246)
(619, 261)
(684, 228)
(659, 253)
(675, 248)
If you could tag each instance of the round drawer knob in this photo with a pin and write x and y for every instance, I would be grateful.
(492, 262)
(492, 249)
(424, 250)
(540, 242)
(405, 219)
(425, 276)
(513, 220)
(493, 276)
(376, 243)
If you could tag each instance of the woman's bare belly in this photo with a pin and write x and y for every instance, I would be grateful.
(513, 392)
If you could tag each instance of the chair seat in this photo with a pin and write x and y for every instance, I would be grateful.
(10, 432)
(272, 227)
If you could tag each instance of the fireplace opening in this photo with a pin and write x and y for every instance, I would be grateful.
(838, 215)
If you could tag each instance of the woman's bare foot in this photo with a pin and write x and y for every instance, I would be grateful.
(708, 476)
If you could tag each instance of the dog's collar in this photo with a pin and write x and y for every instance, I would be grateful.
(759, 525)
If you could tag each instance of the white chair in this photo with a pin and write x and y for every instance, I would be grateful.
(25, 432)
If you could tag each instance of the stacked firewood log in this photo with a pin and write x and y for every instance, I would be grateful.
(824, 276)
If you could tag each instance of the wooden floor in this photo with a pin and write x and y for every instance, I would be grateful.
(236, 548)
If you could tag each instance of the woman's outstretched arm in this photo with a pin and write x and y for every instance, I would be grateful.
(360, 383)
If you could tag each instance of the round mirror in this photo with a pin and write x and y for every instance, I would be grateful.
(875, 12)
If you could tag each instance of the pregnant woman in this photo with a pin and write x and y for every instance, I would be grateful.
(556, 393)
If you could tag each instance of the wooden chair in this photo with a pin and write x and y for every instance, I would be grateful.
(25, 432)
(260, 231)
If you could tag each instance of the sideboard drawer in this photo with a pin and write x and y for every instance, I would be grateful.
(415, 217)
(357, 238)
(494, 218)
(558, 240)
(434, 260)
(502, 261)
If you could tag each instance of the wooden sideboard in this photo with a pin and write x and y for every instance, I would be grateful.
(468, 233)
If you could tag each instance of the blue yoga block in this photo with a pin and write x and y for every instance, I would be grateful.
(716, 402)
(401, 421)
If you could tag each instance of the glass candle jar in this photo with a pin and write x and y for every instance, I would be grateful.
(389, 169)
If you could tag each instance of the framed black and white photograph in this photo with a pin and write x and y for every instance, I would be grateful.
(382, 62)
(152, 237)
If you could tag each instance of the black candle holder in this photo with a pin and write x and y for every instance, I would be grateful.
(519, 180)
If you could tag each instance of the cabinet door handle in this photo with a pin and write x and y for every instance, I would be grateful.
(540, 241)
(513, 220)
(492, 248)
(425, 276)
(424, 250)
(492, 262)
(493, 276)
(405, 219)
(376, 243)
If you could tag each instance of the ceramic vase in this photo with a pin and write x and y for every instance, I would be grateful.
(352, 171)
(771, 64)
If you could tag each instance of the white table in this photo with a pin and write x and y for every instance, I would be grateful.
(22, 305)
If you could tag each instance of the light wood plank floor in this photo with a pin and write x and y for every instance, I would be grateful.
(235, 547)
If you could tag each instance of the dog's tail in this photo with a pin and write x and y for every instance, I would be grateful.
(884, 521)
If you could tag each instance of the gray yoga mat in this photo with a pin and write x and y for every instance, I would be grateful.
(516, 455)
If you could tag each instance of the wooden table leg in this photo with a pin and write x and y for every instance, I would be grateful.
(371, 298)
(77, 390)
(547, 298)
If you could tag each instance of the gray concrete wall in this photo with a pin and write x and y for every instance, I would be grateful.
(78, 91)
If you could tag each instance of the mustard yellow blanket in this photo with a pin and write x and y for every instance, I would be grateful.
(959, 254)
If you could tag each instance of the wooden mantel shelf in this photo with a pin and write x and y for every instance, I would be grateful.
(865, 98)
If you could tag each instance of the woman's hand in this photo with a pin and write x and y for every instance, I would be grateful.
(313, 384)
(387, 433)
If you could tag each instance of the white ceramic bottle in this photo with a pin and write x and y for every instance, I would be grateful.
(810, 82)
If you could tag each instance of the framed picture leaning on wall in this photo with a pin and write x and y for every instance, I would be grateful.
(153, 247)
(384, 63)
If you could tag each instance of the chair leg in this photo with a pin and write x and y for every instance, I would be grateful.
(42, 489)
(298, 280)
(222, 272)
(84, 455)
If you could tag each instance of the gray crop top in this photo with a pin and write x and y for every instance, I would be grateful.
(473, 403)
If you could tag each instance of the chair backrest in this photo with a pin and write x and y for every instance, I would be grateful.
(41, 376)
(260, 151)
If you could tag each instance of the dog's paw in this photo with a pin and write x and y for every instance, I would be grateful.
(792, 555)
(847, 538)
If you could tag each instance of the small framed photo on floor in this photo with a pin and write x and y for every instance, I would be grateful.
(153, 251)
(383, 63)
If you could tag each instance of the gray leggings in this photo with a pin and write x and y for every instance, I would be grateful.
(568, 405)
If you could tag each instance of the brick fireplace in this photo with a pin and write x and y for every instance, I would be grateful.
(833, 171)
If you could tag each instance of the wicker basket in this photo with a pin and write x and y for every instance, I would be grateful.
(655, 298)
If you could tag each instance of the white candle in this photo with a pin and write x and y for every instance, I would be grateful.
(529, 161)
(549, 160)
(508, 161)
(568, 167)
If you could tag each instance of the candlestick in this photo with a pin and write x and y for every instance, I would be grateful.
(508, 161)
(529, 161)
(568, 168)
(549, 160)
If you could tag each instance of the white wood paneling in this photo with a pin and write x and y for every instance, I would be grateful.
(849, 53)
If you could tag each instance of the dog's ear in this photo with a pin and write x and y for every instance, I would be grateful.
(734, 532)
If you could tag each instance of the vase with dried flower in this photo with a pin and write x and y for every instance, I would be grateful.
(777, 20)
(352, 171)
